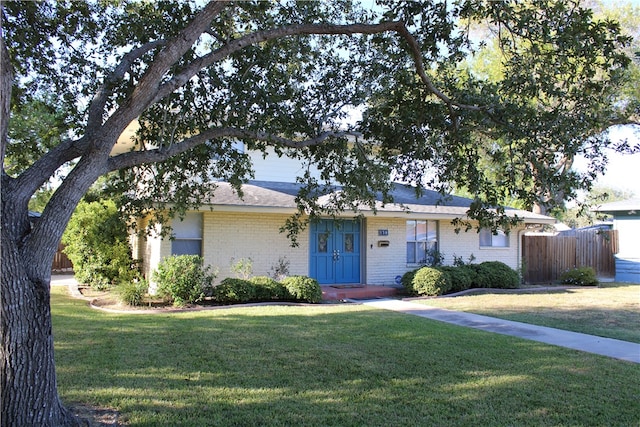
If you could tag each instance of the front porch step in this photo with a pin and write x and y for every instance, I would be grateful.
(336, 292)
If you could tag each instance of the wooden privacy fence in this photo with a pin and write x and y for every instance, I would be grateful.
(60, 261)
(545, 258)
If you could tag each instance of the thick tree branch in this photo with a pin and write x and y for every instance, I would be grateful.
(414, 47)
(99, 101)
(6, 81)
(311, 29)
(44, 168)
(161, 154)
(104, 136)
(147, 88)
(172, 52)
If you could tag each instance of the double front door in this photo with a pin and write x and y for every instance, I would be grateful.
(335, 251)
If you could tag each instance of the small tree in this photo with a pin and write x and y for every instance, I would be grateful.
(97, 244)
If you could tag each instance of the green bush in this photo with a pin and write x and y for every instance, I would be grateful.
(132, 293)
(581, 276)
(232, 290)
(303, 288)
(267, 289)
(461, 277)
(183, 279)
(97, 243)
(495, 274)
(431, 281)
(407, 281)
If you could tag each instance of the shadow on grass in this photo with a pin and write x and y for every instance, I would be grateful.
(328, 365)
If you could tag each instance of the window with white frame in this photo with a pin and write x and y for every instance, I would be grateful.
(187, 235)
(422, 241)
(489, 239)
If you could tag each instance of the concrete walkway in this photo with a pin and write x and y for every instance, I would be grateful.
(617, 349)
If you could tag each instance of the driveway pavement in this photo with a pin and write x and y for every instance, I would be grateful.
(617, 349)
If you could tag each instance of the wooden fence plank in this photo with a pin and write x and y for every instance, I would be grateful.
(545, 258)
(60, 261)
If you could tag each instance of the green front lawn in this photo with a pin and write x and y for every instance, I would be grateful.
(611, 310)
(327, 365)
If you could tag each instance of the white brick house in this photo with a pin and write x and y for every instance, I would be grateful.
(374, 250)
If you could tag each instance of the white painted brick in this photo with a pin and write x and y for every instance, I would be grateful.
(230, 236)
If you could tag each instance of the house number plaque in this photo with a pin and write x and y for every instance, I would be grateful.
(383, 232)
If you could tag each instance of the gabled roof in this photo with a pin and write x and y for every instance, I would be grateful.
(630, 206)
(280, 196)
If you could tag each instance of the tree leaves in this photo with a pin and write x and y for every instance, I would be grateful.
(275, 74)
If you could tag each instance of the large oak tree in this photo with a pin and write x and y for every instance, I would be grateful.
(198, 77)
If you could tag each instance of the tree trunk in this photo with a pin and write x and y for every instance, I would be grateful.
(28, 376)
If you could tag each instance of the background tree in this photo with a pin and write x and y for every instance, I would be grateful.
(546, 100)
(580, 215)
(592, 142)
(199, 77)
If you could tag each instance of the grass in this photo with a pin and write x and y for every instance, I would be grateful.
(327, 365)
(611, 310)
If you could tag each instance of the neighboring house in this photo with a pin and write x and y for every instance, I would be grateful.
(376, 249)
(626, 219)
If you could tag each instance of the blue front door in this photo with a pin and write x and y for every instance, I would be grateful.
(335, 251)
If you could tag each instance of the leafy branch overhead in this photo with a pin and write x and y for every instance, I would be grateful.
(280, 75)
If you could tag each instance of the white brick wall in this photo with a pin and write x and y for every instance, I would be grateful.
(230, 236)
(383, 264)
(465, 244)
(149, 249)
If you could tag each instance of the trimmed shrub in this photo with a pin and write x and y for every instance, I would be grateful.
(407, 281)
(581, 276)
(267, 289)
(97, 243)
(303, 288)
(183, 279)
(232, 290)
(132, 293)
(431, 281)
(496, 274)
(461, 277)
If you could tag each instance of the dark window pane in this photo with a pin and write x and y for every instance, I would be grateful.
(422, 253)
(411, 252)
(322, 242)
(186, 247)
(348, 242)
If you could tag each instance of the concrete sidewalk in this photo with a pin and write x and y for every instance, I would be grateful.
(598, 345)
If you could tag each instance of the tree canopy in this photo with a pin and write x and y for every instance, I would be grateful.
(200, 76)
(283, 74)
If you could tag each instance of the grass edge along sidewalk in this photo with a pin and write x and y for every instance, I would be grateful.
(609, 347)
(610, 310)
